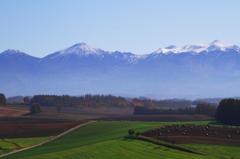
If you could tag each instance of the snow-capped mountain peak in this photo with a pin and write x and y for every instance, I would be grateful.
(183, 49)
(216, 45)
(11, 52)
(80, 49)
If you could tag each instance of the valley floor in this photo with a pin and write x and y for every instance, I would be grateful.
(106, 140)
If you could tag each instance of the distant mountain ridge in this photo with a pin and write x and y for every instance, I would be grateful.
(190, 71)
(82, 49)
(201, 48)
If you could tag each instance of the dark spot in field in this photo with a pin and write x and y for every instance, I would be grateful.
(166, 150)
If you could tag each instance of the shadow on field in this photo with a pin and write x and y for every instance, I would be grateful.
(161, 143)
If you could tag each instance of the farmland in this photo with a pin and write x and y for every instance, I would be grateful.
(196, 134)
(7, 145)
(161, 117)
(21, 132)
(107, 139)
(33, 127)
(11, 111)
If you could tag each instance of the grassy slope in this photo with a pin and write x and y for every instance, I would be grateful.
(106, 140)
(26, 142)
(8, 145)
(217, 151)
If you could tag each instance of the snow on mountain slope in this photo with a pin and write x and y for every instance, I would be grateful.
(80, 49)
(12, 52)
(190, 70)
(213, 46)
(84, 51)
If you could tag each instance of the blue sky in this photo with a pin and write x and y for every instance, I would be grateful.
(139, 26)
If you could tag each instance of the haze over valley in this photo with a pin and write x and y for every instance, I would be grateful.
(189, 71)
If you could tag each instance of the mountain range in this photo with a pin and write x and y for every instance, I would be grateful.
(190, 71)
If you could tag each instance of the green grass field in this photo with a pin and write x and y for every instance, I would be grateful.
(7, 145)
(105, 140)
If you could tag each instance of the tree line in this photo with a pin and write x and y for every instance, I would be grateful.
(201, 108)
(86, 101)
(228, 111)
(168, 103)
(98, 101)
(2, 99)
(103, 101)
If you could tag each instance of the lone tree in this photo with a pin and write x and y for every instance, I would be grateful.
(131, 132)
(228, 111)
(26, 100)
(2, 99)
(35, 108)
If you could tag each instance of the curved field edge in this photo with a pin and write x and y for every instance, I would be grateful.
(105, 139)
